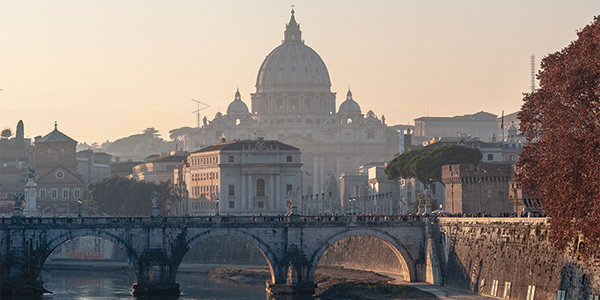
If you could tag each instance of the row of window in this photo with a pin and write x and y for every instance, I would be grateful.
(260, 188)
(53, 193)
(205, 190)
(204, 160)
(204, 205)
(205, 176)
(511, 158)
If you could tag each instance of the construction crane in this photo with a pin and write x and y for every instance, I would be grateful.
(197, 112)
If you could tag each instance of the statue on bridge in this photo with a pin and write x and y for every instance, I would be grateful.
(31, 170)
(424, 203)
(291, 195)
(155, 196)
(19, 200)
(18, 208)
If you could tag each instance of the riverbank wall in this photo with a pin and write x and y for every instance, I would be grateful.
(512, 258)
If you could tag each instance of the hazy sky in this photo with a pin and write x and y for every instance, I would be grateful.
(108, 69)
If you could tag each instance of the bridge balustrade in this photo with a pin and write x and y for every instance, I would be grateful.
(214, 219)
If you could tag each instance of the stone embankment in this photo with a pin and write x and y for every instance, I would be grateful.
(512, 258)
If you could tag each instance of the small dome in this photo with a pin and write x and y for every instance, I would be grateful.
(349, 106)
(237, 106)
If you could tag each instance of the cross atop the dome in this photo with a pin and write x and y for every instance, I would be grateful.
(292, 30)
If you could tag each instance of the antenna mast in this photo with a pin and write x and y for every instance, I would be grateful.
(197, 112)
(532, 74)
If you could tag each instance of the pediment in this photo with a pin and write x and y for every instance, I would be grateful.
(60, 174)
(296, 139)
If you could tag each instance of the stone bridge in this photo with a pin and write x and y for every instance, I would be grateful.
(291, 245)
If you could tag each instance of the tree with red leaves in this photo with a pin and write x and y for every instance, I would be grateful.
(561, 162)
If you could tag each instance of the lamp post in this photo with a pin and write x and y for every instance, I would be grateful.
(79, 203)
(452, 185)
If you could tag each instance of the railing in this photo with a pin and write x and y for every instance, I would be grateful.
(214, 219)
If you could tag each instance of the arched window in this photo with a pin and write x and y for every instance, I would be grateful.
(260, 187)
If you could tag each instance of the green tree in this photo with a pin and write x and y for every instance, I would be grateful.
(562, 123)
(425, 164)
(116, 195)
(20, 136)
(151, 131)
(6, 133)
(179, 133)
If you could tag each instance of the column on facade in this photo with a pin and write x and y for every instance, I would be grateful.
(250, 193)
(278, 192)
(271, 193)
(315, 177)
(319, 207)
(244, 193)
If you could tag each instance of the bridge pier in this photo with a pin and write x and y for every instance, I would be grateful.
(295, 282)
(156, 278)
(293, 275)
(18, 269)
(157, 271)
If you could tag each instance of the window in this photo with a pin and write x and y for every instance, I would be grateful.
(65, 193)
(490, 157)
(561, 294)
(494, 288)
(507, 286)
(260, 187)
(288, 189)
(370, 134)
(530, 292)
(231, 190)
(42, 194)
(288, 158)
(261, 204)
(511, 157)
(54, 193)
(76, 193)
(231, 158)
(231, 204)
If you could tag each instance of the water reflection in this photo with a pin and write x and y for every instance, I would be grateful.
(116, 285)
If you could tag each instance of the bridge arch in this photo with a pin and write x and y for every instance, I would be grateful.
(60, 239)
(404, 257)
(263, 247)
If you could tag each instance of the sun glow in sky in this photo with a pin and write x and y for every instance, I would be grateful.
(108, 69)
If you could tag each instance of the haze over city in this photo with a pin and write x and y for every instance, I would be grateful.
(108, 69)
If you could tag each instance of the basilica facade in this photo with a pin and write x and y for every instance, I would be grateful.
(293, 103)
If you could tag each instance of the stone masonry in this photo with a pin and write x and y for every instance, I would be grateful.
(292, 245)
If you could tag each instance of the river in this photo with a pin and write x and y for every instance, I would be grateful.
(116, 285)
